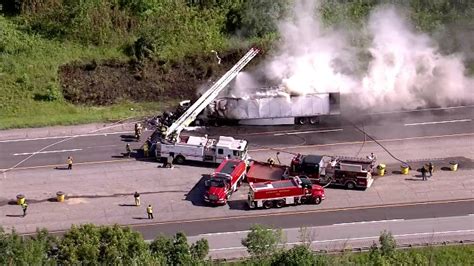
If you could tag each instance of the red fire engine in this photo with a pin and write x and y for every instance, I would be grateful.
(295, 190)
(224, 181)
(349, 172)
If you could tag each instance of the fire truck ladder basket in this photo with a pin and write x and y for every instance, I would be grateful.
(193, 111)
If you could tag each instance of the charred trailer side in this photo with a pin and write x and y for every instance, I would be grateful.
(276, 109)
(277, 194)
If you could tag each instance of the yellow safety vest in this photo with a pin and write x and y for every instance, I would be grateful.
(149, 209)
(69, 161)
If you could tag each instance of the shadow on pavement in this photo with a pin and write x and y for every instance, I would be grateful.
(128, 138)
(196, 194)
(14, 215)
(445, 168)
(61, 168)
(414, 179)
(128, 205)
(141, 218)
(238, 205)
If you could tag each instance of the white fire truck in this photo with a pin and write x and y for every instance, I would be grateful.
(166, 141)
(203, 149)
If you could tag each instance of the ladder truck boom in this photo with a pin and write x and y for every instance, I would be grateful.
(193, 111)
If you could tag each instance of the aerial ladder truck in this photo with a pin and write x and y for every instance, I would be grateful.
(171, 144)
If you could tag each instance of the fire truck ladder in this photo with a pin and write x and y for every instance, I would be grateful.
(193, 111)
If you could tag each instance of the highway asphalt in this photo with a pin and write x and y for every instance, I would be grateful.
(309, 218)
(110, 146)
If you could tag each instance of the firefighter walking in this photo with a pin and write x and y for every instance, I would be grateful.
(149, 211)
(24, 207)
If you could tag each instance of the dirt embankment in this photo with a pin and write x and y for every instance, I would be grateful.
(108, 82)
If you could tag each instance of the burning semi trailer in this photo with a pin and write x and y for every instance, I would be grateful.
(267, 106)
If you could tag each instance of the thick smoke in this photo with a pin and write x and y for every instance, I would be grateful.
(401, 69)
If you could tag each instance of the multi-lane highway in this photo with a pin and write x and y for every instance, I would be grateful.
(382, 126)
(441, 123)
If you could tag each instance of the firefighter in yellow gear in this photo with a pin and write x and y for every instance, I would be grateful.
(149, 211)
(271, 161)
(145, 149)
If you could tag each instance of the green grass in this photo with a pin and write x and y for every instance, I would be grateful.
(28, 70)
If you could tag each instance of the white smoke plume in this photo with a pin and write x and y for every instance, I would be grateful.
(405, 70)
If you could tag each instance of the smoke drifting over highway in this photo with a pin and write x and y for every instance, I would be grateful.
(396, 68)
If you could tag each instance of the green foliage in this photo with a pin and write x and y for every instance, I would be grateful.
(297, 255)
(256, 18)
(262, 241)
(16, 250)
(89, 244)
(387, 244)
(200, 249)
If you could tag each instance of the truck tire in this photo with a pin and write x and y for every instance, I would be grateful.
(267, 204)
(302, 121)
(350, 185)
(280, 203)
(317, 200)
(179, 159)
(314, 120)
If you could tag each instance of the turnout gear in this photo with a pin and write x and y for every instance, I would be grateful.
(149, 211)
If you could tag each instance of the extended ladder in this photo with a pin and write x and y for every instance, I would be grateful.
(197, 107)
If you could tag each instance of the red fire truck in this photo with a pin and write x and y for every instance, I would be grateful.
(264, 172)
(349, 172)
(224, 181)
(295, 190)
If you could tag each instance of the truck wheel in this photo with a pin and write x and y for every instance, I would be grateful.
(302, 121)
(314, 120)
(350, 185)
(317, 200)
(280, 203)
(180, 159)
(267, 204)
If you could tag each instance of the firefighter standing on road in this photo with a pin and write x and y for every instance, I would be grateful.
(129, 150)
(430, 168)
(138, 131)
(137, 198)
(24, 206)
(69, 163)
(423, 173)
(271, 161)
(149, 211)
(145, 149)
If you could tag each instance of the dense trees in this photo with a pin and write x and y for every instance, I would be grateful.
(105, 245)
(115, 245)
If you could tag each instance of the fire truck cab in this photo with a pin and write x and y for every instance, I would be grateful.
(224, 181)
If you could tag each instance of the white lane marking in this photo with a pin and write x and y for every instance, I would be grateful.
(41, 152)
(371, 222)
(438, 122)
(308, 132)
(65, 137)
(362, 238)
(224, 233)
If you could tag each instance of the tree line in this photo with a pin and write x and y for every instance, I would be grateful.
(115, 245)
